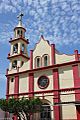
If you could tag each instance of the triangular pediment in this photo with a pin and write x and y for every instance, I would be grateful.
(42, 44)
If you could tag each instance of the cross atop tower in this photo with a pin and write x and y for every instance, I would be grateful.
(20, 18)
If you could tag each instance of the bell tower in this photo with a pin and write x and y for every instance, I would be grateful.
(18, 54)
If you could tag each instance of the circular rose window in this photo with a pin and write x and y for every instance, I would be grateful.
(43, 82)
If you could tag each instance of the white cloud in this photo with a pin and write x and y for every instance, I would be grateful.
(35, 3)
(40, 11)
(43, 2)
(59, 18)
(5, 36)
(2, 77)
(32, 12)
(14, 2)
(36, 16)
(29, 2)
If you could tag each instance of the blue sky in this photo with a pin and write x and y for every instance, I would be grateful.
(57, 20)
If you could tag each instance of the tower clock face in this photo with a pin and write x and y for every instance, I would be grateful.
(43, 82)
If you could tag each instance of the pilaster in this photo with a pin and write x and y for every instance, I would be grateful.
(31, 59)
(56, 98)
(31, 84)
(52, 54)
(7, 87)
(76, 85)
(16, 86)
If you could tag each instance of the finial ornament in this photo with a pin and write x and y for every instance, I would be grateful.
(20, 18)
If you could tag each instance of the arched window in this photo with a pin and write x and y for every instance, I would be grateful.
(46, 112)
(15, 48)
(21, 33)
(12, 79)
(45, 60)
(38, 62)
(18, 32)
(23, 48)
(14, 64)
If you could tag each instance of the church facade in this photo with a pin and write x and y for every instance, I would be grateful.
(47, 74)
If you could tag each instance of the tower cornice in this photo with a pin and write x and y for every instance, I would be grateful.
(20, 28)
(20, 38)
(17, 55)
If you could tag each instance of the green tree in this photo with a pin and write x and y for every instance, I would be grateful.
(4, 107)
(23, 107)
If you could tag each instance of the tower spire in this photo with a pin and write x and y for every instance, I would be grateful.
(20, 18)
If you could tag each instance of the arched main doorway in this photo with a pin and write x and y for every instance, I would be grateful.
(46, 112)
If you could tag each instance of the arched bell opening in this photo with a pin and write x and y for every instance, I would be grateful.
(15, 48)
(23, 48)
(14, 64)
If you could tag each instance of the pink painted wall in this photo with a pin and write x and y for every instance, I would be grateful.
(1, 114)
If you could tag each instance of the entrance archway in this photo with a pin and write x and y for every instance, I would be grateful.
(46, 112)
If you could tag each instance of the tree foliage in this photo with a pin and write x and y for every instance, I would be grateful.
(21, 107)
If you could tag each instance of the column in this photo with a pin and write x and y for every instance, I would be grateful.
(7, 88)
(76, 55)
(19, 48)
(56, 94)
(31, 59)
(76, 81)
(31, 88)
(16, 91)
(31, 84)
(16, 86)
(76, 85)
(11, 52)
